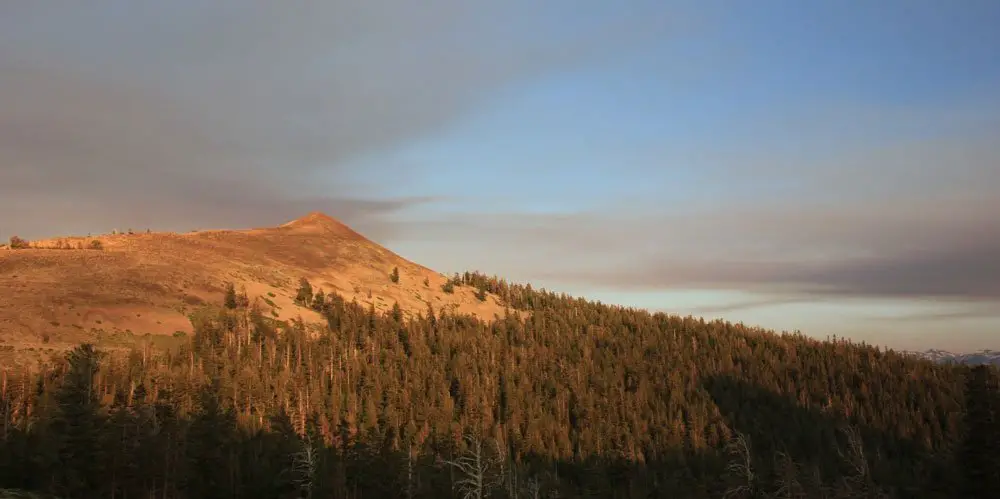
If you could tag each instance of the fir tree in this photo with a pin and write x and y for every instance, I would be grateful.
(980, 453)
(319, 300)
(304, 296)
(77, 426)
(230, 299)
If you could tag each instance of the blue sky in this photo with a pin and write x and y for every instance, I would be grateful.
(824, 166)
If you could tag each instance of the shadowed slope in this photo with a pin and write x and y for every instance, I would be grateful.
(149, 282)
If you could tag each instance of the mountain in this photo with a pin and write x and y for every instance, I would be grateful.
(62, 291)
(572, 398)
(561, 397)
(974, 358)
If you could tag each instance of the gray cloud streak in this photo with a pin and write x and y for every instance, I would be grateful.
(898, 218)
(249, 112)
(901, 248)
(748, 305)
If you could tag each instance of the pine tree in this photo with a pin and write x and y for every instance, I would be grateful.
(394, 276)
(319, 300)
(242, 300)
(304, 295)
(230, 300)
(980, 452)
(77, 426)
(210, 442)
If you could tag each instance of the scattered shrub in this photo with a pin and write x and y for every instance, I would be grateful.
(18, 243)
(448, 287)
(96, 245)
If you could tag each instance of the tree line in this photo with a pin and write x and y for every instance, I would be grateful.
(571, 399)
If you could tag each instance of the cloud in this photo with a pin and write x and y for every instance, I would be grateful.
(830, 251)
(747, 305)
(899, 219)
(250, 112)
(955, 311)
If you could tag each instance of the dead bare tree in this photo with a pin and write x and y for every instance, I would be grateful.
(740, 469)
(410, 465)
(787, 481)
(304, 463)
(859, 482)
(475, 467)
(532, 488)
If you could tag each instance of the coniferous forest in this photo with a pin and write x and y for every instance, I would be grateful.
(563, 398)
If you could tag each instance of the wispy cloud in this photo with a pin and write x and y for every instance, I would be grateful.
(901, 219)
(945, 313)
(740, 306)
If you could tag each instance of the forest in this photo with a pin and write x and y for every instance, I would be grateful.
(562, 397)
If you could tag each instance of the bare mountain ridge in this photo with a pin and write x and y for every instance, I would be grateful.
(148, 282)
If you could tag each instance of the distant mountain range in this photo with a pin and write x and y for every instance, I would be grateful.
(981, 357)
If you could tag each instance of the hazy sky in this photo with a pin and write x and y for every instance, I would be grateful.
(826, 166)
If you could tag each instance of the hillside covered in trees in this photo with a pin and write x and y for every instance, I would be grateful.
(571, 399)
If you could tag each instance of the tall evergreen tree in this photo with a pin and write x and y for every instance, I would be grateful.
(77, 426)
(980, 453)
(304, 295)
(230, 301)
(208, 457)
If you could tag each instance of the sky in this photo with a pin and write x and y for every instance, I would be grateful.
(828, 167)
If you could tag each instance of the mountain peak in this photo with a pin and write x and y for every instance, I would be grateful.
(319, 222)
(314, 218)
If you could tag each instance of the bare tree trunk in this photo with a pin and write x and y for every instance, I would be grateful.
(740, 469)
